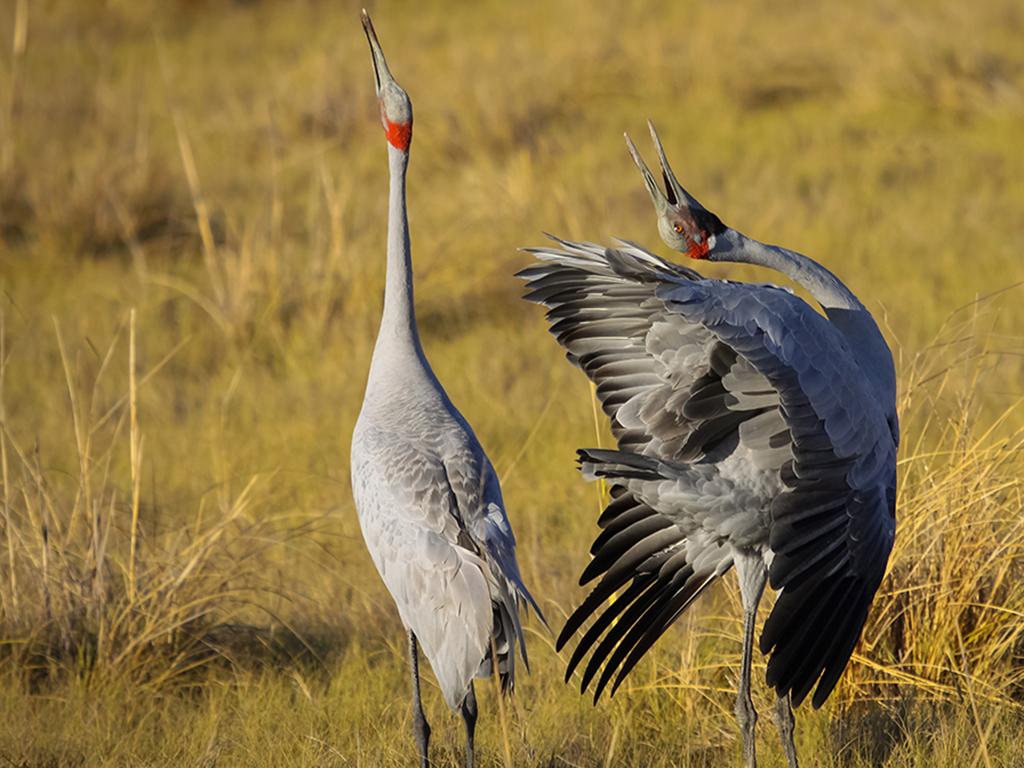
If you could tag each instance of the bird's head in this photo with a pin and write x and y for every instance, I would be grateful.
(683, 223)
(395, 106)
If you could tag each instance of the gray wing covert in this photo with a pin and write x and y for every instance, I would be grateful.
(444, 547)
(439, 586)
(670, 388)
(484, 528)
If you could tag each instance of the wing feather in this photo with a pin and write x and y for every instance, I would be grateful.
(834, 525)
(688, 370)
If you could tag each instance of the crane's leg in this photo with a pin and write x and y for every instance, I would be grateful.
(752, 574)
(785, 721)
(468, 710)
(420, 726)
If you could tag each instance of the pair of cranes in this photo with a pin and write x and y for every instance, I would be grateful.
(752, 432)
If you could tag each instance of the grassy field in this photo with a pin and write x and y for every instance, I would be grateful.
(192, 214)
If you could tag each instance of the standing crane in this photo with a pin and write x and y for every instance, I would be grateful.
(428, 498)
(752, 431)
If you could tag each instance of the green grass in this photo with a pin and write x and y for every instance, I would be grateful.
(218, 167)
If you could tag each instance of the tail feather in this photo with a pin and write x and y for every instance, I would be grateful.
(507, 633)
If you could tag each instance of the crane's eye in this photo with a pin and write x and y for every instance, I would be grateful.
(678, 228)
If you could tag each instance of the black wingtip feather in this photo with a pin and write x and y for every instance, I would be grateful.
(628, 619)
(811, 635)
(640, 628)
(594, 601)
(623, 605)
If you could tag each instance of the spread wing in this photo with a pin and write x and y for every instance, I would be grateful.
(833, 527)
(688, 370)
(671, 389)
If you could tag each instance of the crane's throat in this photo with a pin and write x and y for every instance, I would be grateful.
(399, 135)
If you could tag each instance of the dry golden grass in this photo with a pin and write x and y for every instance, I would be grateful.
(191, 263)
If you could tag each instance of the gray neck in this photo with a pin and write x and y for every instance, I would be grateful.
(398, 335)
(844, 310)
(827, 289)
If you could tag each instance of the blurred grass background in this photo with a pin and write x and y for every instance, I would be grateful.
(182, 579)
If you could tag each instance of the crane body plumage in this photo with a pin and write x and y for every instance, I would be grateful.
(752, 430)
(427, 497)
(432, 515)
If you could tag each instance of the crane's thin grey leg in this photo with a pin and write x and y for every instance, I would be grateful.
(786, 722)
(420, 726)
(752, 577)
(468, 710)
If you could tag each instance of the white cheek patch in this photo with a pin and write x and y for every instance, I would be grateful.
(711, 242)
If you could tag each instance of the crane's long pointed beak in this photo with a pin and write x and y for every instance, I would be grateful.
(673, 189)
(657, 196)
(683, 223)
(381, 73)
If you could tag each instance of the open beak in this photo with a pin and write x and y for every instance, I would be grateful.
(657, 196)
(673, 195)
(381, 73)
